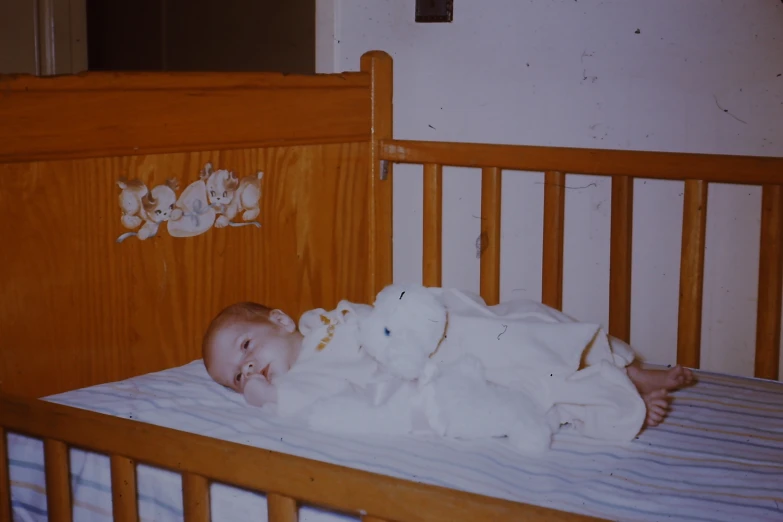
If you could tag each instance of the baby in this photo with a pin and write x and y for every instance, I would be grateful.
(251, 344)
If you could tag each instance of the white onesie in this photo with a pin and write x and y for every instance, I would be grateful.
(575, 369)
(518, 369)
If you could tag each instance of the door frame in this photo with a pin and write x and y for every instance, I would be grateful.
(61, 36)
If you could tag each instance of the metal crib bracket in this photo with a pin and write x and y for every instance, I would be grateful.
(384, 170)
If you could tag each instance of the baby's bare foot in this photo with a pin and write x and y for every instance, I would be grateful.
(657, 403)
(647, 381)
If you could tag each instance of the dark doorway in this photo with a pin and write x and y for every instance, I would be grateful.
(202, 35)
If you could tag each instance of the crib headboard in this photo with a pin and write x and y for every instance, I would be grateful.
(87, 297)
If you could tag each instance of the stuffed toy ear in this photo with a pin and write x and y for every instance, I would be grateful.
(404, 327)
(258, 391)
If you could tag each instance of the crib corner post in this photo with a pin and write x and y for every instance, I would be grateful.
(378, 65)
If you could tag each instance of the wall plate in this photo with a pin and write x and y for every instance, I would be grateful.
(434, 11)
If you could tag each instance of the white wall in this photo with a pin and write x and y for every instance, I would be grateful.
(578, 73)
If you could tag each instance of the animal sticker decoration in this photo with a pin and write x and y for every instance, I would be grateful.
(215, 199)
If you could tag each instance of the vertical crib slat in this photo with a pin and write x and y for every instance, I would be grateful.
(620, 258)
(554, 234)
(489, 240)
(769, 296)
(58, 487)
(433, 225)
(123, 489)
(5, 481)
(195, 493)
(694, 228)
(281, 509)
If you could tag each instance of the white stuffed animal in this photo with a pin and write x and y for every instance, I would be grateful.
(403, 329)
(405, 326)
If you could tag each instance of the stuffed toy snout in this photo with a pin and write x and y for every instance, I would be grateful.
(404, 328)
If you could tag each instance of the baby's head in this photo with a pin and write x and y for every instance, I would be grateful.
(248, 340)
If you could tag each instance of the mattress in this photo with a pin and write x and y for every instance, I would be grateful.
(718, 456)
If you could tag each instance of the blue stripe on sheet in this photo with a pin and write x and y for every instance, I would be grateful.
(718, 457)
(15, 504)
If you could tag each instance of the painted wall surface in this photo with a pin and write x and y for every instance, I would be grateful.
(696, 76)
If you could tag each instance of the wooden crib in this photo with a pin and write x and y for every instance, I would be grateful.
(84, 302)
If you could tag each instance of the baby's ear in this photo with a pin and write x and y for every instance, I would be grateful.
(282, 320)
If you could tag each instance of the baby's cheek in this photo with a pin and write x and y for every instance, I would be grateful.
(258, 392)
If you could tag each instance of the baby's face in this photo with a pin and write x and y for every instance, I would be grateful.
(242, 349)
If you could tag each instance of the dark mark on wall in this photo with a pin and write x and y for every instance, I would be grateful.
(638, 31)
(727, 111)
(481, 244)
(431, 127)
(505, 327)
(585, 77)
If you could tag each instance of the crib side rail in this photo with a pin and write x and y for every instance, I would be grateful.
(696, 170)
(287, 480)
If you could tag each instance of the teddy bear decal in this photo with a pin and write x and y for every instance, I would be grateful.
(216, 198)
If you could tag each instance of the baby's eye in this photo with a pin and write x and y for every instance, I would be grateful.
(171, 207)
(225, 193)
(245, 344)
(212, 193)
(157, 211)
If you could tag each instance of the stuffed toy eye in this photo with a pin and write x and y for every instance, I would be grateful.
(386, 332)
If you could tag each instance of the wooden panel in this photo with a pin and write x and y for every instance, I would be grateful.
(109, 311)
(554, 239)
(282, 509)
(310, 482)
(124, 501)
(372, 519)
(95, 115)
(432, 269)
(655, 165)
(694, 225)
(379, 66)
(770, 274)
(489, 241)
(195, 498)
(5, 481)
(58, 484)
(620, 258)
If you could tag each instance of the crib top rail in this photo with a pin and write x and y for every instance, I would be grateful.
(120, 114)
(201, 459)
(714, 168)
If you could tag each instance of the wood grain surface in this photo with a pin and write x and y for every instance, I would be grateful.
(79, 308)
(103, 114)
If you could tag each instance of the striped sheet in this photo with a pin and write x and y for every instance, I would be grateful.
(718, 457)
